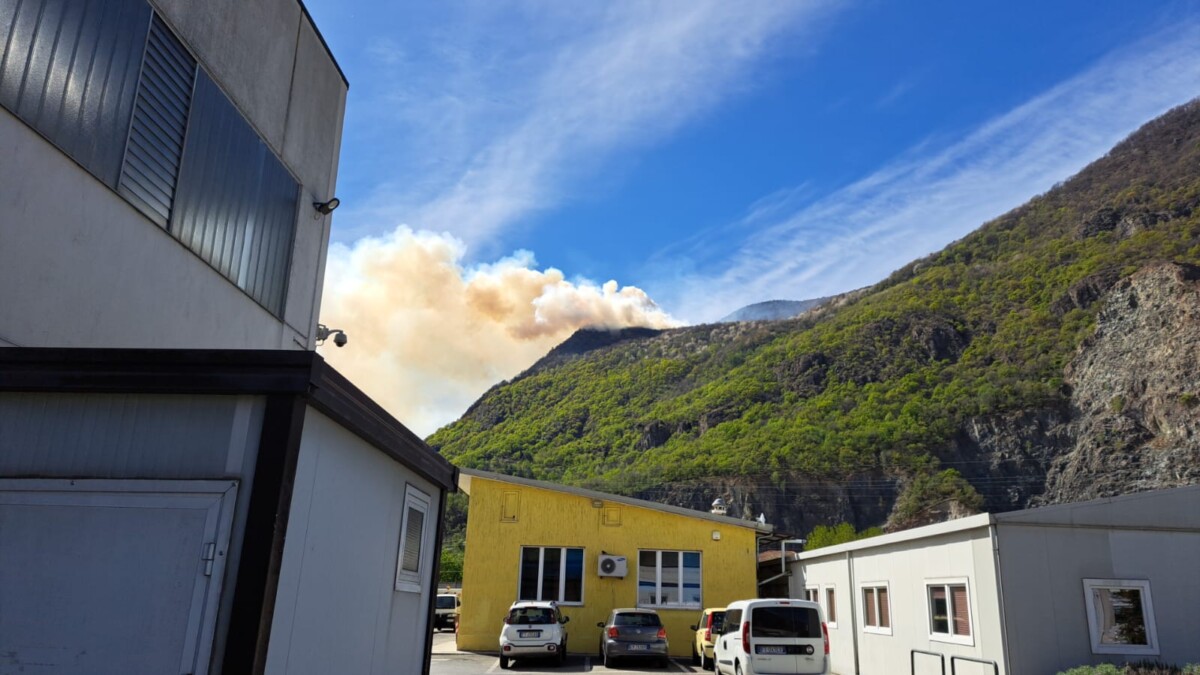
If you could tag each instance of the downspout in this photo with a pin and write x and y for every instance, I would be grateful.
(853, 608)
(1000, 592)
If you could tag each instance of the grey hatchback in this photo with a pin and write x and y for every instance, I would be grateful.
(633, 633)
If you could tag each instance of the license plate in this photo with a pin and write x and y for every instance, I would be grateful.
(770, 649)
(529, 633)
(639, 648)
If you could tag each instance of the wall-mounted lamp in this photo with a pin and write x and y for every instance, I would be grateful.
(339, 336)
(326, 208)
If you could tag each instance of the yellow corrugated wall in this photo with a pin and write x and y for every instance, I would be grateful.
(499, 524)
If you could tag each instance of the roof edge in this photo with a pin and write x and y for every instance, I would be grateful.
(316, 29)
(948, 527)
(631, 501)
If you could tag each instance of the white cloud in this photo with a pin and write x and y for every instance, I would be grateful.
(500, 138)
(920, 202)
(428, 336)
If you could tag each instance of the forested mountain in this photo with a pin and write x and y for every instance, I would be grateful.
(1051, 355)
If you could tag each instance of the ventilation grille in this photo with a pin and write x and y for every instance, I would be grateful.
(156, 135)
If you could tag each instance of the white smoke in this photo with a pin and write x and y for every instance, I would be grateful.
(428, 336)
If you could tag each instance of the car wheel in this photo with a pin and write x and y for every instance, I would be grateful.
(664, 662)
(695, 656)
(608, 661)
(705, 664)
(737, 668)
(504, 663)
(562, 653)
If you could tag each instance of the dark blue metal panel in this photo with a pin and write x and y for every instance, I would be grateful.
(69, 68)
(235, 203)
(156, 134)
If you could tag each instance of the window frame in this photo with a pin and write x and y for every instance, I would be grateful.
(875, 586)
(562, 574)
(812, 594)
(408, 581)
(1140, 585)
(951, 637)
(658, 585)
(829, 591)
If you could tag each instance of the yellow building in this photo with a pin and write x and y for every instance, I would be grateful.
(533, 540)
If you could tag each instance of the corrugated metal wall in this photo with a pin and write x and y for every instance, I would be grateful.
(159, 123)
(236, 204)
(126, 435)
(70, 68)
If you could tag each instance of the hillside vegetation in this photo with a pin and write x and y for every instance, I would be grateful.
(880, 382)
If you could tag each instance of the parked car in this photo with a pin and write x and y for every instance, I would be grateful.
(708, 627)
(773, 636)
(533, 630)
(633, 633)
(445, 613)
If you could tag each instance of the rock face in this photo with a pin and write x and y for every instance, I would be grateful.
(1135, 402)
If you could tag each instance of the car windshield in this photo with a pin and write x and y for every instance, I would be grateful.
(445, 602)
(637, 619)
(785, 622)
(718, 620)
(524, 616)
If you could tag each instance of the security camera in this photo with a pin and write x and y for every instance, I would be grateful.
(340, 339)
(325, 332)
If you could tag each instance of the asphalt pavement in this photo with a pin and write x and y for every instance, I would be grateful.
(447, 660)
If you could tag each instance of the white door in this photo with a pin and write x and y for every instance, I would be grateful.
(111, 576)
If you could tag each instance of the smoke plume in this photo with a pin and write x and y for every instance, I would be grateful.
(428, 336)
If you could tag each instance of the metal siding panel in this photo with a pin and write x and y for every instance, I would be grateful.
(69, 69)
(235, 204)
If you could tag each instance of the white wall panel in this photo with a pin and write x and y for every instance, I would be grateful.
(336, 609)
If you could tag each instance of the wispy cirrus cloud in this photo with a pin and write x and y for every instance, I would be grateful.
(498, 124)
(796, 245)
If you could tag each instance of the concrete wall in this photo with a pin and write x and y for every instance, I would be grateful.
(336, 610)
(81, 267)
(1043, 568)
(491, 569)
(906, 567)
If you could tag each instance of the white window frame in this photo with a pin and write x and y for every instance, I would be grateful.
(407, 581)
(562, 574)
(1142, 585)
(950, 637)
(826, 589)
(877, 630)
(658, 574)
(815, 590)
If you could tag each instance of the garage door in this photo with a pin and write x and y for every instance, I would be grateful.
(118, 577)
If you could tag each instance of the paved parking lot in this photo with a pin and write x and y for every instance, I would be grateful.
(447, 661)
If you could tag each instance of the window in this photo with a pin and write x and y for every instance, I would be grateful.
(551, 573)
(510, 509)
(876, 611)
(949, 611)
(784, 622)
(669, 578)
(830, 607)
(732, 621)
(1120, 616)
(412, 540)
(812, 594)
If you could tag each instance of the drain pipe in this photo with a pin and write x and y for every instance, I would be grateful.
(853, 608)
(1000, 593)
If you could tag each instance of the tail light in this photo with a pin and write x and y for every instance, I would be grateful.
(613, 632)
(746, 636)
(662, 633)
(506, 621)
(825, 634)
(708, 634)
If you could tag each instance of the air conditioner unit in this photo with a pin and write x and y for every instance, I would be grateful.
(612, 566)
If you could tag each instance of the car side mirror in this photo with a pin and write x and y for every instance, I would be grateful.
(564, 619)
(692, 627)
(600, 624)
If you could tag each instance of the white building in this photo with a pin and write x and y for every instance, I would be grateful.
(1025, 593)
(185, 485)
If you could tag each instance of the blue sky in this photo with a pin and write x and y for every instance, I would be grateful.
(715, 154)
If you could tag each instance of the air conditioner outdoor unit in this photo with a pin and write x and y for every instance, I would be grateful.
(612, 566)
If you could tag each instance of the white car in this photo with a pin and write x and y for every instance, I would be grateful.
(533, 630)
(773, 636)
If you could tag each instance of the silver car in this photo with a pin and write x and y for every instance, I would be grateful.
(633, 633)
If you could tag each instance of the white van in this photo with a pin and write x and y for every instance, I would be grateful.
(773, 636)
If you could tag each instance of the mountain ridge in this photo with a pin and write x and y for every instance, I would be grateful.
(997, 373)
